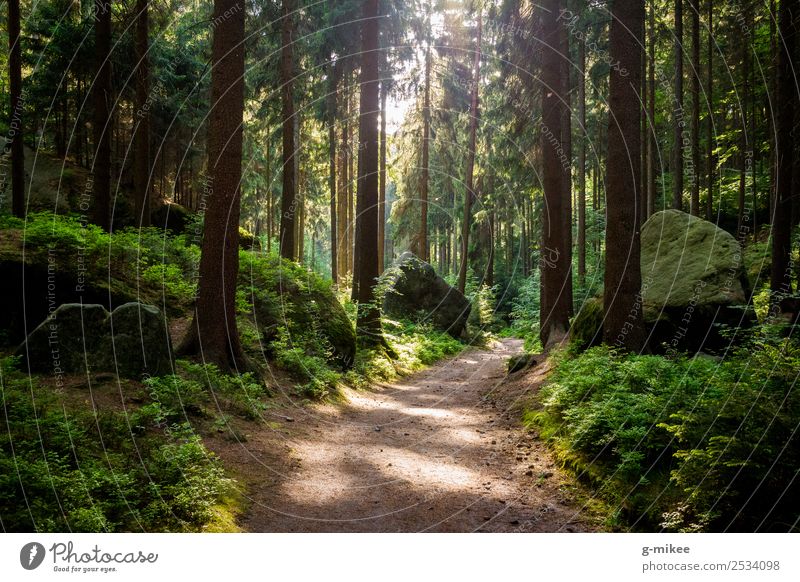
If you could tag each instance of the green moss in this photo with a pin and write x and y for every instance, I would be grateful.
(586, 329)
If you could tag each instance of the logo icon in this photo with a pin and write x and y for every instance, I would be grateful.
(31, 555)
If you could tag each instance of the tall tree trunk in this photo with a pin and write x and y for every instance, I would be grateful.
(368, 321)
(582, 164)
(332, 101)
(744, 138)
(351, 179)
(300, 202)
(566, 142)
(623, 326)
(15, 109)
(773, 93)
(787, 98)
(101, 211)
(651, 114)
(270, 204)
(694, 205)
(141, 147)
(555, 270)
(469, 174)
(422, 236)
(341, 204)
(289, 192)
(382, 180)
(214, 333)
(710, 174)
(678, 114)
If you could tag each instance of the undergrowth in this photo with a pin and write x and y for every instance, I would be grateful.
(683, 444)
(69, 468)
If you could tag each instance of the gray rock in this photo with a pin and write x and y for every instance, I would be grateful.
(131, 341)
(693, 280)
(520, 362)
(284, 295)
(415, 290)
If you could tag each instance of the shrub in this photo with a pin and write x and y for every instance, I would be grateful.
(80, 470)
(685, 444)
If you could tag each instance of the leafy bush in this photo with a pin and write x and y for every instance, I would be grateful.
(198, 386)
(683, 444)
(67, 468)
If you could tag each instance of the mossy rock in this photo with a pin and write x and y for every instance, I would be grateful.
(284, 295)
(693, 283)
(248, 241)
(687, 259)
(414, 290)
(171, 216)
(133, 340)
(586, 330)
(520, 362)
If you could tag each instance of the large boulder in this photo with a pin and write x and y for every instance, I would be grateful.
(693, 279)
(413, 289)
(286, 296)
(174, 217)
(131, 341)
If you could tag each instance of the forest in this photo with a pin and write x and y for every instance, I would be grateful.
(399, 265)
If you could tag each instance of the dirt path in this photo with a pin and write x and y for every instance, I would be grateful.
(442, 451)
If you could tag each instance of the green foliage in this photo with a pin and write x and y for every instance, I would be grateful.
(171, 280)
(147, 263)
(68, 468)
(681, 443)
(418, 345)
(196, 388)
(300, 360)
(525, 310)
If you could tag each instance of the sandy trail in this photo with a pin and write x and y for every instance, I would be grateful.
(439, 451)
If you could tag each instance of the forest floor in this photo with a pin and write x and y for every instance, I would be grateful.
(442, 450)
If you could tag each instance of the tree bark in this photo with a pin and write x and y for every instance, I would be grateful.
(623, 326)
(332, 100)
(341, 205)
(101, 166)
(554, 303)
(678, 116)
(426, 131)
(382, 181)
(214, 333)
(16, 106)
(651, 115)
(141, 147)
(368, 320)
(582, 164)
(744, 138)
(710, 121)
(288, 241)
(566, 142)
(694, 204)
(787, 99)
(469, 174)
